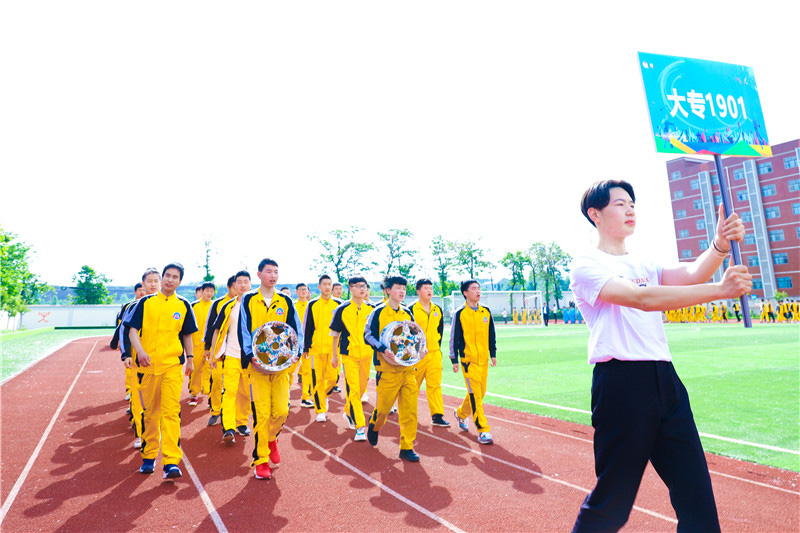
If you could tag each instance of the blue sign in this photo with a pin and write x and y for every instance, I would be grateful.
(703, 107)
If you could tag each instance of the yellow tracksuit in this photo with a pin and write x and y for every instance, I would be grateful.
(319, 346)
(235, 401)
(472, 340)
(430, 367)
(304, 364)
(392, 381)
(161, 321)
(201, 310)
(269, 392)
(215, 374)
(131, 379)
(347, 326)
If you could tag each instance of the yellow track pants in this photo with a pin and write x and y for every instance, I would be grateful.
(270, 399)
(392, 386)
(430, 370)
(235, 409)
(323, 378)
(356, 376)
(475, 377)
(160, 395)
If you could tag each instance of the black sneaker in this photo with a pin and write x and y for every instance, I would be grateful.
(372, 436)
(409, 455)
(214, 420)
(306, 403)
(438, 420)
(228, 437)
(172, 472)
(243, 430)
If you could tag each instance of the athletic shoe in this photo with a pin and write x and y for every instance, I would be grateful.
(148, 466)
(485, 438)
(228, 437)
(322, 417)
(372, 436)
(137, 444)
(214, 420)
(350, 423)
(192, 400)
(361, 434)
(172, 472)
(263, 471)
(243, 430)
(365, 398)
(462, 422)
(274, 454)
(438, 420)
(393, 410)
(306, 403)
(336, 389)
(409, 455)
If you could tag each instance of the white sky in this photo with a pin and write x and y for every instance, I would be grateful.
(129, 131)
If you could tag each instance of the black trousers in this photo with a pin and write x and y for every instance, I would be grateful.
(641, 413)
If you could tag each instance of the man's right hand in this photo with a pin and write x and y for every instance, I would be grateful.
(736, 281)
(144, 359)
(128, 362)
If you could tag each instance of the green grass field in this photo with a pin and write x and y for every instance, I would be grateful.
(743, 384)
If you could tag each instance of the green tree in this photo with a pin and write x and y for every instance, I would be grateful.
(780, 296)
(516, 263)
(19, 287)
(469, 259)
(208, 241)
(343, 253)
(396, 253)
(443, 252)
(90, 287)
(551, 262)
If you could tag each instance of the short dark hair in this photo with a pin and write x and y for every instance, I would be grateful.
(198, 288)
(390, 281)
(322, 277)
(137, 287)
(300, 285)
(357, 279)
(465, 285)
(149, 271)
(231, 281)
(337, 284)
(423, 281)
(597, 196)
(241, 273)
(266, 261)
(177, 266)
(209, 285)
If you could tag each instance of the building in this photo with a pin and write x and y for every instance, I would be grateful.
(765, 192)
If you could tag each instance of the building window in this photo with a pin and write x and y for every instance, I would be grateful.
(752, 260)
(794, 185)
(797, 229)
(768, 190)
(738, 174)
(796, 209)
(675, 175)
(780, 259)
(747, 216)
(682, 234)
(703, 244)
(758, 284)
(701, 223)
(750, 238)
(686, 254)
(741, 196)
(784, 282)
(717, 200)
(678, 194)
(772, 212)
(698, 205)
(680, 213)
(790, 162)
(776, 235)
(765, 167)
(695, 184)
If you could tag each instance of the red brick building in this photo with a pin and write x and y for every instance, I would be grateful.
(766, 194)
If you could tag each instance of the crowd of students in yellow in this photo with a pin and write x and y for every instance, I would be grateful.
(526, 316)
(718, 312)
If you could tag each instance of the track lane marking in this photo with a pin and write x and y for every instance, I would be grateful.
(433, 516)
(212, 511)
(25, 471)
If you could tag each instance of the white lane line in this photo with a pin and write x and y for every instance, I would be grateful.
(212, 511)
(25, 471)
(380, 485)
(765, 485)
(563, 408)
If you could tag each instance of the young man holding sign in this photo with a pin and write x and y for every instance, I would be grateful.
(640, 408)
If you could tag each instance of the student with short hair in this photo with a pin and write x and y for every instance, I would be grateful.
(430, 319)
(160, 329)
(215, 373)
(304, 366)
(392, 382)
(201, 307)
(337, 290)
(640, 408)
(473, 347)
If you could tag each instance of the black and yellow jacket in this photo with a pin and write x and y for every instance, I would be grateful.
(256, 311)
(317, 334)
(350, 321)
(472, 337)
(432, 324)
(216, 305)
(380, 317)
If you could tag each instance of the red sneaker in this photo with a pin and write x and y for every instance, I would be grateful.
(274, 454)
(263, 471)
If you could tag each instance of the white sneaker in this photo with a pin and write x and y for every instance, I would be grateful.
(322, 417)
(485, 438)
(137, 444)
(361, 434)
(365, 398)
(350, 423)
(393, 411)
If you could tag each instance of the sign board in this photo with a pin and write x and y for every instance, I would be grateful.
(703, 107)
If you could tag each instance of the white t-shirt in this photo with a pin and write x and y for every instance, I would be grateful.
(232, 346)
(615, 331)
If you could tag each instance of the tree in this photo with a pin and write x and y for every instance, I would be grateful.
(780, 296)
(90, 287)
(516, 263)
(207, 242)
(343, 253)
(19, 287)
(443, 255)
(551, 261)
(469, 259)
(396, 251)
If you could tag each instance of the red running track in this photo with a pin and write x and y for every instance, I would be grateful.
(534, 478)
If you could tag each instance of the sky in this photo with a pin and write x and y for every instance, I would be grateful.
(132, 132)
